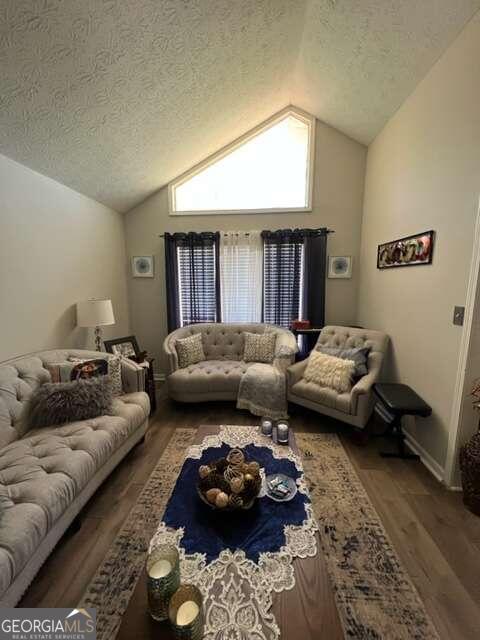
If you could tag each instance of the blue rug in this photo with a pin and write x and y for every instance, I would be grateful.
(256, 530)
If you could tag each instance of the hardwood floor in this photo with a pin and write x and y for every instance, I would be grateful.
(437, 539)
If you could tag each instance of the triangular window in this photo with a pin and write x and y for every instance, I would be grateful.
(268, 169)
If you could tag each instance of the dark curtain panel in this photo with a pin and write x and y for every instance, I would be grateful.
(286, 283)
(171, 277)
(315, 261)
(192, 261)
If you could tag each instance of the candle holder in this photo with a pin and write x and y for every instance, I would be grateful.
(186, 614)
(283, 431)
(266, 427)
(163, 579)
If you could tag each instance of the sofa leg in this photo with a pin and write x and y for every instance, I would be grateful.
(75, 525)
(360, 437)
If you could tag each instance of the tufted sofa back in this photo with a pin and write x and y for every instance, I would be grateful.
(221, 341)
(348, 337)
(19, 377)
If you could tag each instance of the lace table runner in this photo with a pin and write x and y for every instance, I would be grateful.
(238, 587)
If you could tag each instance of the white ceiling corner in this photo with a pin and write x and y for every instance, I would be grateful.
(116, 98)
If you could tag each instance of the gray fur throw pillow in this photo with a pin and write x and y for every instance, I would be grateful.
(59, 403)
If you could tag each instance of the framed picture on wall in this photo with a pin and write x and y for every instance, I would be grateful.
(340, 266)
(142, 266)
(406, 252)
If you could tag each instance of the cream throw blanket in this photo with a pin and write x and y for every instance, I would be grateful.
(263, 387)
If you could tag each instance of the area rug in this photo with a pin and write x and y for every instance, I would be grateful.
(375, 597)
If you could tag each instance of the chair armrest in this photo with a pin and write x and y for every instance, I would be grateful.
(295, 372)
(171, 352)
(285, 349)
(365, 384)
(133, 376)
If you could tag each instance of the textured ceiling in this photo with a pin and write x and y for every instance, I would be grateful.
(114, 98)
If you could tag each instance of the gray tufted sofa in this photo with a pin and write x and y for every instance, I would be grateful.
(47, 475)
(218, 377)
(356, 406)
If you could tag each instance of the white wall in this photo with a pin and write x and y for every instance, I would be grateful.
(56, 247)
(337, 203)
(423, 171)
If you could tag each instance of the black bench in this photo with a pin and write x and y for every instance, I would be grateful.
(394, 402)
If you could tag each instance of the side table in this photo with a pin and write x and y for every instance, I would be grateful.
(396, 401)
(149, 382)
(311, 337)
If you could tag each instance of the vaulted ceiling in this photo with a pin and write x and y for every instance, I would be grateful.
(114, 98)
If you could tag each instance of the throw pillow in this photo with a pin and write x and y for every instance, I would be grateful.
(114, 370)
(189, 350)
(358, 354)
(56, 403)
(76, 368)
(259, 347)
(329, 371)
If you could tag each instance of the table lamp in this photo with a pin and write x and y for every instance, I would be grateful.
(95, 313)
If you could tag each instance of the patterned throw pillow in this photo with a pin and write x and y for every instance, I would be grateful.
(259, 347)
(189, 350)
(358, 354)
(114, 372)
(77, 369)
(329, 371)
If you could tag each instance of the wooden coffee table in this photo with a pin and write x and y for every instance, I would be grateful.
(306, 612)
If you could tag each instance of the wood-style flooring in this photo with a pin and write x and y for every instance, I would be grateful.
(437, 539)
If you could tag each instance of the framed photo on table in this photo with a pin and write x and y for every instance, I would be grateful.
(126, 347)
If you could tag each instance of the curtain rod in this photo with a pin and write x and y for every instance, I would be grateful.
(162, 235)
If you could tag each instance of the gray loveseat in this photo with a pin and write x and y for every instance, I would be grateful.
(47, 475)
(218, 377)
(356, 406)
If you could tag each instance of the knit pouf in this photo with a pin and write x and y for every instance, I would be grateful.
(470, 466)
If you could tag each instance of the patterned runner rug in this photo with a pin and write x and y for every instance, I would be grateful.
(375, 597)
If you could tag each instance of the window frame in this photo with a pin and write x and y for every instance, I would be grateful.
(305, 117)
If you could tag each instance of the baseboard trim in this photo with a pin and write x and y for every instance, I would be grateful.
(432, 465)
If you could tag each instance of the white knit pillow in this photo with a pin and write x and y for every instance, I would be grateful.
(329, 371)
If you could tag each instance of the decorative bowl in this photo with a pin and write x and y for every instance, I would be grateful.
(230, 483)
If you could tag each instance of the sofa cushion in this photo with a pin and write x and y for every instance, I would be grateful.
(189, 350)
(359, 355)
(322, 395)
(217, 375)
(259, 347)
(41, 474)
(329, 371)
(63, 402)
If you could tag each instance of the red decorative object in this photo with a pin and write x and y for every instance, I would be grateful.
(301, 324)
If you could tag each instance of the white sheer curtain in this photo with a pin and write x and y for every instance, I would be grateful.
(241, 276)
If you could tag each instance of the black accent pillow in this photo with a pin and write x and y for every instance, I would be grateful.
(56, 403)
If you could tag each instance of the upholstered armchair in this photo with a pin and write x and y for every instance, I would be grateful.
(356, 406)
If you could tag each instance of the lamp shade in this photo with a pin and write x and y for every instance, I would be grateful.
(94, 313)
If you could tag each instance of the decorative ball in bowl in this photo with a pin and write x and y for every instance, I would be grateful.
(230, 483)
